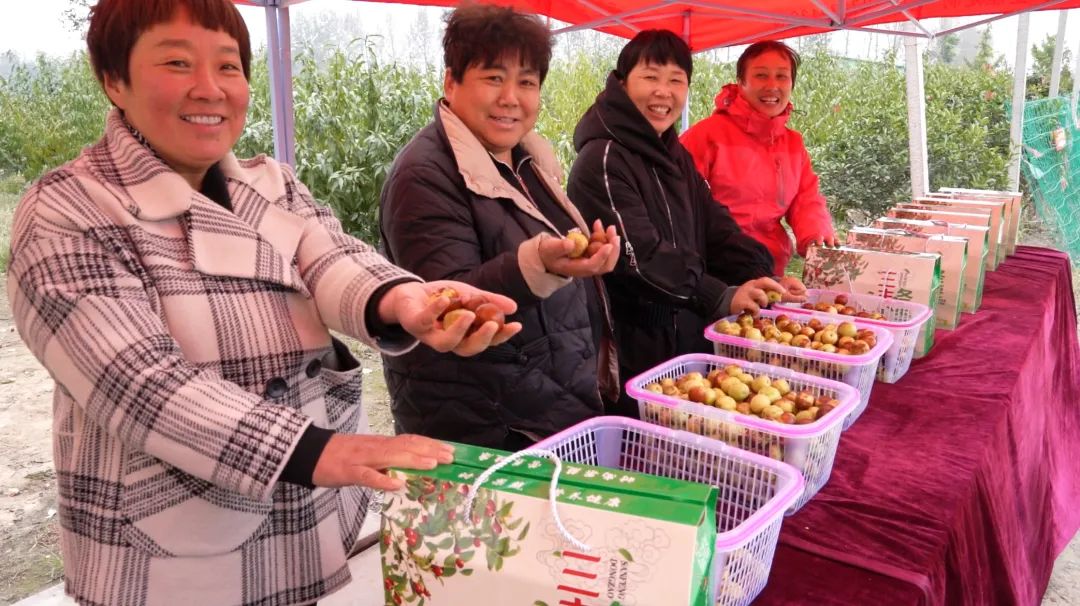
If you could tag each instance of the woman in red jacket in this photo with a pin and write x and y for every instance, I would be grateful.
(754, 163)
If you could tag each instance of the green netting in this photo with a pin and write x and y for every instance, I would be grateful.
(1053, 176)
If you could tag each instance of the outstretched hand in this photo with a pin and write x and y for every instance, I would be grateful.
(555, 255)
(411, 305)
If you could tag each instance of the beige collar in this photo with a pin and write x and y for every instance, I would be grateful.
(483, 178)
(257, 240)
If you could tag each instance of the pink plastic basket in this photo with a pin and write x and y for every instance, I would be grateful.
(754, 491)
(809, 448)
(856, 371)
(903, 319)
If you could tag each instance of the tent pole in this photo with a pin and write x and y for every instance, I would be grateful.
(279, 60)
(1076, 79)
(916, 108)
(686, 106)
(1016, 129)
(1059, 47)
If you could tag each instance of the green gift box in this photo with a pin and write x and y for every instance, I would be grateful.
(978, 249)
(1012, 199)
(953, 253)
(892, 275)
(982, 219)
(650, 539)
(999, 217)
(1000, 212)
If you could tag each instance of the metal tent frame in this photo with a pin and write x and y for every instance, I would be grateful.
(831, 15)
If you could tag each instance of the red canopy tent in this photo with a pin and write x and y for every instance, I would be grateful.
(708, 24)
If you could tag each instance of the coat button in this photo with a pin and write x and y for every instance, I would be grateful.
(313, 368)
(275, 388)
(522, 358)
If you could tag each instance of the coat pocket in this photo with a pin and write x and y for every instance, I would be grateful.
(342, 382)
(172, 513)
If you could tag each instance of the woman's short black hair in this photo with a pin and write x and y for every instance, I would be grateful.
(115, 26)
(481, 34)
(657, 46)
(766, 46)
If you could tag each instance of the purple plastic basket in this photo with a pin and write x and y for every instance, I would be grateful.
(754, 491)
(857, 371)
(810, 448)
(905, 320)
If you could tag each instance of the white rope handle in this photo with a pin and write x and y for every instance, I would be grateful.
(948, 226)
(850, 285)
(896, 231)
(881, 293)
(552, 489)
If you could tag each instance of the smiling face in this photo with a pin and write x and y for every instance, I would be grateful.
(767, 83)
(499, 103)
(658, 92)
(187, 94)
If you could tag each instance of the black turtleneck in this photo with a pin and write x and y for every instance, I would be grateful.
(215, 187)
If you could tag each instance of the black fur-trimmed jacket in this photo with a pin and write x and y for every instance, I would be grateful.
(683, 252)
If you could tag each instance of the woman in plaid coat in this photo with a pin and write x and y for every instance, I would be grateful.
(205, 422)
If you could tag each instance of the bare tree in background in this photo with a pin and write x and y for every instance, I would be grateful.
(77, 15)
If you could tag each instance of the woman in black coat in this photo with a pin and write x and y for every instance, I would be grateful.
(476, 196)
(685, 261)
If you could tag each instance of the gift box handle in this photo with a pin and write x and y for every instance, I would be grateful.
(552, 489)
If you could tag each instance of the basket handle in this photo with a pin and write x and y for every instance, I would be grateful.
(552, 488)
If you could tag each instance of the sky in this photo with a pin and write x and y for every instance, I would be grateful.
(37, 26)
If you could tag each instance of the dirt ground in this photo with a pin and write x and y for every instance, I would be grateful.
(29, 553)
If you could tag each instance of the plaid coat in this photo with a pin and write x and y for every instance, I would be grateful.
(181, 338)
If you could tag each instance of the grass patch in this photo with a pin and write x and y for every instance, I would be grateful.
(11, 188)
(7, 212)
(40, 476)
(39, 564)
(30, 546)
(795, 267)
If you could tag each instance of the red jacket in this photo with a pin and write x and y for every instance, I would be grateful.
(759, 169)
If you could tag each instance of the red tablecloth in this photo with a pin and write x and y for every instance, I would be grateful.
(960, 484)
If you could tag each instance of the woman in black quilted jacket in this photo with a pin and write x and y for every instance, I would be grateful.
(476, 196)
(685, 261)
